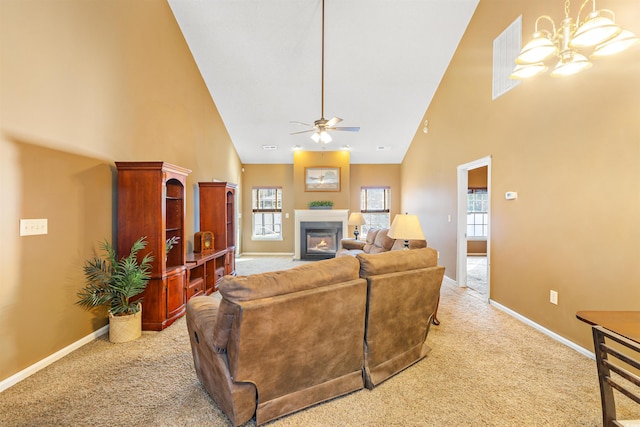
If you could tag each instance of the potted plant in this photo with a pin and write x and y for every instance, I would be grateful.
(114, 284)
(321, 204)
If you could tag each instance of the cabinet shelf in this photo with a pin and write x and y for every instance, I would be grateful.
(217, 214)
(151, 202)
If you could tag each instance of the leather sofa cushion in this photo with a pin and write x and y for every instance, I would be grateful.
(303, 277)
(389, 262)
(381, 242)
(257, 286)
(371, 235)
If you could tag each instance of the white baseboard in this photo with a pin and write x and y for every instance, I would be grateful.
(450, 281)
(16, 378)
(544, 330)
(534, 325)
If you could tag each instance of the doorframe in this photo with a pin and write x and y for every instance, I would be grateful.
(463, 184)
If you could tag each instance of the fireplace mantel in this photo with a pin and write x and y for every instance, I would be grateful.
(318, 215)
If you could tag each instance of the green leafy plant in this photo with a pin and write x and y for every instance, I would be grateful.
(321, 203)
(114, 284)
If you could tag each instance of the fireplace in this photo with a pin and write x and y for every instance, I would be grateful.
(319, 216)
(319, 240)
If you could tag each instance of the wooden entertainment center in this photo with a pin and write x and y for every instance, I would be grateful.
(152, 203)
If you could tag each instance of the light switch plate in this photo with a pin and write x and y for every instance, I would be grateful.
(32, 227)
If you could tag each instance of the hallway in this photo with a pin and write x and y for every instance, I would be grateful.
(477, 274)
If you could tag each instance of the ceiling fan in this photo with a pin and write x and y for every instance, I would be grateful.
(321, 126)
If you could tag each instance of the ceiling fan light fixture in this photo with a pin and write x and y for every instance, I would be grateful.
(321, 136)
(322, 125)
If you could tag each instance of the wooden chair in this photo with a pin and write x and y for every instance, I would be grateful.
(622, 363)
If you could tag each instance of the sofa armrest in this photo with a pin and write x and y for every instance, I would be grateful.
(351, 244)
(236, 399)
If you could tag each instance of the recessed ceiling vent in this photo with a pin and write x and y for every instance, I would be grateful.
(506, 47)
(383, 148)
(269, 147)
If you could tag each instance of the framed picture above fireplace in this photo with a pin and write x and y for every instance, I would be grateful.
(322, 179)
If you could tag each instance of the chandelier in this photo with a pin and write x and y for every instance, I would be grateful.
(598, 31)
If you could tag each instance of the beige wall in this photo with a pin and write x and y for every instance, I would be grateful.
(375, 176)
(570, 147)
(477, 178)
(84, 84)
(268, 176)
(294, 196)
(308, 159)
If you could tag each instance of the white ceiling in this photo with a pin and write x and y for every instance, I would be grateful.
(261, 60)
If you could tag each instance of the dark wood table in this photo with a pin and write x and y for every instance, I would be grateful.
(625, 323)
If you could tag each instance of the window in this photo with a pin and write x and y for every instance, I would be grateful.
(374, 205)
(477, 213)
(267, 212)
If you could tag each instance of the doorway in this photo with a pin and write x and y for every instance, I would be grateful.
(473, 251)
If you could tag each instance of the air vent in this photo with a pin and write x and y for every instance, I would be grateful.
(506, 48)
(269, 147)
(383, 148)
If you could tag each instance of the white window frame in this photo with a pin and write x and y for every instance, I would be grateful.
(274, 211)
(477, 217)
(369, 213)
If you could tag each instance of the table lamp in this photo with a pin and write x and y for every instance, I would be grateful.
(406, 227)
(356, 218)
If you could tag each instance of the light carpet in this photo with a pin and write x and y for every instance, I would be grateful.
(486, 369)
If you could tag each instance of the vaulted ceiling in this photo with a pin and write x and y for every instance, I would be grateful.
(262, 63)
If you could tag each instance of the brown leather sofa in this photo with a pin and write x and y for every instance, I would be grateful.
(278, 342)
(403, 289)
(377, 241)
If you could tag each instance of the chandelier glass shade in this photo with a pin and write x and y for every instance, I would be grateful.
(622, 41)
(598, 32)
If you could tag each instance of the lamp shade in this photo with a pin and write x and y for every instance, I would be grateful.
(406, 227)
(356, 218)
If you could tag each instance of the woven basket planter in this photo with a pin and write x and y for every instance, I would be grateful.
(125, 328)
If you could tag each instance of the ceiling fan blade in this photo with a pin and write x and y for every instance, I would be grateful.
(347, 129)
(303, 131)
(300, 123)
(334, 121)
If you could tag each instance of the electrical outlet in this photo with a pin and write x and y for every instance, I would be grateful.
(31, 227)
(553, 297)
